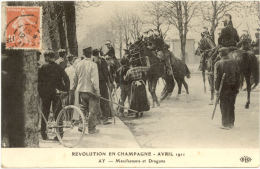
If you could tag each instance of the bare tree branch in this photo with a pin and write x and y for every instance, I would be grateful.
(179, 14)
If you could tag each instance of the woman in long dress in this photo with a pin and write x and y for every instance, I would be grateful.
(138, 96)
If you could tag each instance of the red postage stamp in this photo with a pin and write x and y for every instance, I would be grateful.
(23, 29)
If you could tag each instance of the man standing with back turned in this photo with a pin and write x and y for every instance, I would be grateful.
(229, 89)
(87, 83)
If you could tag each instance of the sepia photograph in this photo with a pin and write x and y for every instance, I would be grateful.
(130, 83)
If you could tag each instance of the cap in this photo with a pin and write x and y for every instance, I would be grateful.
(95, 52)
(69, 56)
(108, 42)
(87, 51)
(49, 53)
(61, 51)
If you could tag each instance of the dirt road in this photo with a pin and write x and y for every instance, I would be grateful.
(183, 122)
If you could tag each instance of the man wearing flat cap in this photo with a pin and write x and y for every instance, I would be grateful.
(51, 77)
(230, 87)
(86, 82)
(62, 60)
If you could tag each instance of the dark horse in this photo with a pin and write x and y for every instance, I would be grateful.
(248, 66)
(159, 62)
(139, 51)
(176, 69)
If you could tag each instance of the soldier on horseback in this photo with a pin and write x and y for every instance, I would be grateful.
(246, 60)
(205, 44)
(206, 48)
(228, 36)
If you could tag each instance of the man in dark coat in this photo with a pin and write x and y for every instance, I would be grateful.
(104, 82)
(229, 89)
(111, 60)
(228, 36)
(123, 84)
(51, 77)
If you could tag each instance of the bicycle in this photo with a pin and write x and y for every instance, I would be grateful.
(69, 126)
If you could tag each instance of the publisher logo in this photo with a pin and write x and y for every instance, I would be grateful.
(245, 159)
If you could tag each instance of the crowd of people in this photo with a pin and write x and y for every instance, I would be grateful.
(90, 76)
(95, 76)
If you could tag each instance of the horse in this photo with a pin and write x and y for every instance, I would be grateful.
(248, 66)
(207, 63)
(160, 61)
(177, 70)
(139, 51)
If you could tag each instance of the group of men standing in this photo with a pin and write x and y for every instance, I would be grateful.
(60, 77)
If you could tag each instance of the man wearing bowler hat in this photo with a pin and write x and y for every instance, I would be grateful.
(230, 87)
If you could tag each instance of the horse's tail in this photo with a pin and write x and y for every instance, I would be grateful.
(255, 69)
(187, 71)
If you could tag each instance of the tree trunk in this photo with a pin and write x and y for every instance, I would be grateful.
(51, 19)
(21, 98)
(183, 46)
(214, 20)
(30, 94)
(59, 11)
(70, 16)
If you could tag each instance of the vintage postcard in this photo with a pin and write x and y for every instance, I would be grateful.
(130, 84)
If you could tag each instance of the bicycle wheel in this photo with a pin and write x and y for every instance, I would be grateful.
(70, 126)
